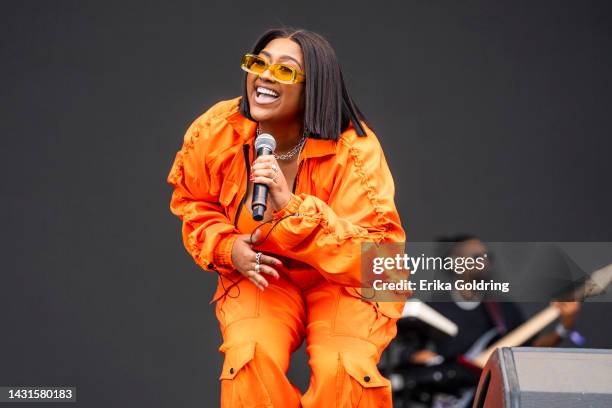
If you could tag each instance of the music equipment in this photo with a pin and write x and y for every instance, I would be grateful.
(595, 285)
(264, 144)
(423, 317)
(546, 377)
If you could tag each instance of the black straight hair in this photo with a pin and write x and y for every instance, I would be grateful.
(328, 107)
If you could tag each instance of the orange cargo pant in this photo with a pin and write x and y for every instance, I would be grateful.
(345, 337)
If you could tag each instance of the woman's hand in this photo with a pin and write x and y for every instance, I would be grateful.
(244, 259)
(265, 170)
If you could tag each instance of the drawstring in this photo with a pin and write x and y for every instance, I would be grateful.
(267, 222)
(226, 290)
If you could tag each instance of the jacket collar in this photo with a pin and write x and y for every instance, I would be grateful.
(247, 128)
(318, 148)
(243, 126)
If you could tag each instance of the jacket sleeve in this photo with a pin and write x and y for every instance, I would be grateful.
(208, 235)
(329, 235)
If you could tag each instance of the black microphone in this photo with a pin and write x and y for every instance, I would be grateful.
(264, 144)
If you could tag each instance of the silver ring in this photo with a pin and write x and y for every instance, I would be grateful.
(258, 258)
(274, 168)
(257, 267)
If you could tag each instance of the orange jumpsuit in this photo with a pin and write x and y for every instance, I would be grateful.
(342, 197)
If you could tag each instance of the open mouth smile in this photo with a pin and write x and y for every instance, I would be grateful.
(265, 95)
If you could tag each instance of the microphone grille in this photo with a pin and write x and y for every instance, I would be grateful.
(265, 140)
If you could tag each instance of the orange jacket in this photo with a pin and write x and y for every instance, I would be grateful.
(342, 197)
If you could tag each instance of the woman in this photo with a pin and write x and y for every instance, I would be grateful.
(295, 275)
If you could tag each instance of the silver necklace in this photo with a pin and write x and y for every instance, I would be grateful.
(291, 153)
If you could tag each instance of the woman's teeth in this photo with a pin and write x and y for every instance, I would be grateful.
(265, 95)
(261, 89)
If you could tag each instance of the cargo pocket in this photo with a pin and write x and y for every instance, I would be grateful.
(360, 384)
(235, 358)
(241, 382)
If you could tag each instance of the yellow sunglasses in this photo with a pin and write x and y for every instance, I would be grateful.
(283, 73)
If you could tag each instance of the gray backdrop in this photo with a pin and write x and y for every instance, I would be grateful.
(495, 119)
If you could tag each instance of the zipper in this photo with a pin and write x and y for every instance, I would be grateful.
(245, 152)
